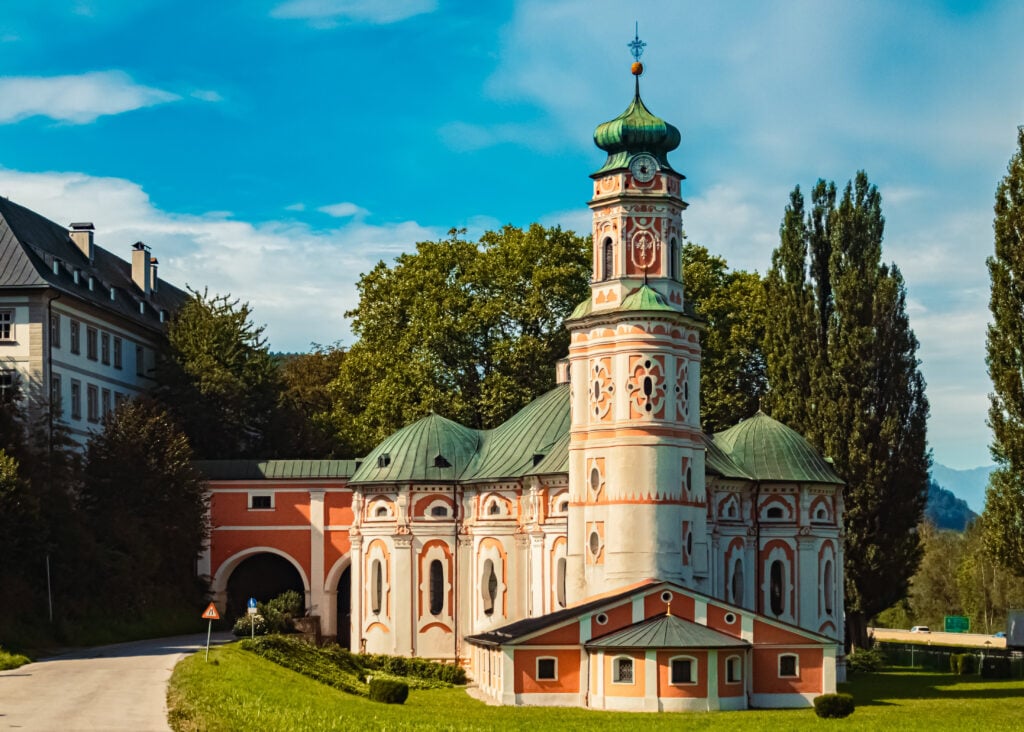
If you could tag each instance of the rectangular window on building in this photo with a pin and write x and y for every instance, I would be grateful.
(622, 671)
(105, 348)
(682, 671)
(7, 381)
(261, 501)
(91, 336)
(547, 669)
(76, 399)
(119, 398)
(789, 666)
(6, 325)
(92, 400)
(105, 401)
(140, 361)
(75, 332)
(55, 395)
(55, 330)
(118, 352)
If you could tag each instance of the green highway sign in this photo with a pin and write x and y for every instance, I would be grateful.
(957, 624)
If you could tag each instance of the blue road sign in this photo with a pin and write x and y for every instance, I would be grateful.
(252, 602)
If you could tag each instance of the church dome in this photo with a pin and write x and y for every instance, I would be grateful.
(768, 450)
(635, 131)
(433, 448)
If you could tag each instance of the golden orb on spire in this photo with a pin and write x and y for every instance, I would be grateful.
(638, 68)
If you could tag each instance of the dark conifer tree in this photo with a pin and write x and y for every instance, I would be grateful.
(843, 369)
(1004, 499)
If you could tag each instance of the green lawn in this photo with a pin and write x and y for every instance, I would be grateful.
(239, 691)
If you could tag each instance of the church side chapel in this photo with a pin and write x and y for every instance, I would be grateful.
(597, 549)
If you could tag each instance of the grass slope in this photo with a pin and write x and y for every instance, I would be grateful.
(238, 690)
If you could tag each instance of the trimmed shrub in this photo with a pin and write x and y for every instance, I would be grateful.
(420, 668)
(866, 660)
(389, 691)
(833, 706)
(961, 663)
(10, 660)
(995, 667)
(244, 626)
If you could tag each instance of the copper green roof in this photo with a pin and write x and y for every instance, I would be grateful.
(557, 460)
(635, 131)
(275, 469)
(768, 450)
(667, 631)
(433, 448)
(519, 445)
(584, 308)
(646, 298)
(716, 462)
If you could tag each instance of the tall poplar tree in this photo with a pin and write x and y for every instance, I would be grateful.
(1004, 499)
(843, 370)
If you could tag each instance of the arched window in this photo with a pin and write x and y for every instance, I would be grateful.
(674, 260)
(827, 581)
(607, 260)
(381, 511)
(377, 586)
(436, 587)
(489, 587)
(683, 670)
(439, 511)
(775, 512)
(494, 509)
(777, 574)
(560, 581)
(737, 582)
(622, 670)
(733, 670)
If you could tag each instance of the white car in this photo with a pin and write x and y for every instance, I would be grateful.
(920, 629)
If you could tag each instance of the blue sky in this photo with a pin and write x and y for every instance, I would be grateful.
(275, 149)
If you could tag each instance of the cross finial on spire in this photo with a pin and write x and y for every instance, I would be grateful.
(636, 46)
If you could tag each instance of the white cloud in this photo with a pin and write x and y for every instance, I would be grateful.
(344, 210)
(299, 280)
(296, 207)
(327, 13)
(207, 95)
(76, 99)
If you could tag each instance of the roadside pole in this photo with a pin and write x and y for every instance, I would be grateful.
(209, 614)
(251, 609)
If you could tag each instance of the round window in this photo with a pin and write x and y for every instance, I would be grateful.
(730, 618)
(602, 619)
(666, 596)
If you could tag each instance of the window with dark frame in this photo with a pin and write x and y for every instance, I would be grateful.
(75, 331)
(105, 402)
(54, 330)
(55, 395)
(623, 672)
(257, 502)
(733, 670)
(682, 671)
(777, 597)
(547, 669)
(105, 348)
(91, 338)
(76, 399)
(436, 587)
(140, 361)
(118, 352)
(377, 596)
(7, 381)
(6, 325)
(92, 400)
(788, 666)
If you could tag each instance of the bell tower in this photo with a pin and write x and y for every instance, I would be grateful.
(636, 476)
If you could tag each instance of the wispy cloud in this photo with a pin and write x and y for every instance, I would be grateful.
(467, 137)
(286, 270)
(206, 95)
(328, 13)
(343, 210)
(78, 99)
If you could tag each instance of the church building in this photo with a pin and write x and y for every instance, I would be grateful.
(597, 549)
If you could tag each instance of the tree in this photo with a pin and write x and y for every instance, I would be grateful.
(145, 503)
(934, 592)
(1004, 498)
(843, 370)
(732, 359)
(468, 330)
(217, 377)
(302, 427)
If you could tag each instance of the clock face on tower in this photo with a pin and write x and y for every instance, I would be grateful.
(643, 167)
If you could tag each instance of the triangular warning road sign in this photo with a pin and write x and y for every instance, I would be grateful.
(211, 613)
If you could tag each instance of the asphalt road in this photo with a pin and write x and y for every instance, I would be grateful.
(109, 688)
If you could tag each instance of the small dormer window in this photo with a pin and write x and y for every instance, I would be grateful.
(563, 507)
(537, 458)
(383, 460)
(821, 514)
(775, 512)
(441, 462)
(381, 512)
(439, 511)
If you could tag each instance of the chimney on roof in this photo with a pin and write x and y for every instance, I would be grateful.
(82, 235)
(141, 270)
(153, 279)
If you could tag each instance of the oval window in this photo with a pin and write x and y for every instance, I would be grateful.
(595, 479)
(689, 543)
(560, 582)
(436, 587)
(829, 590)
(595, 543)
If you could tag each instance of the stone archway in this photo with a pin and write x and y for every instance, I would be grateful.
(260, 572)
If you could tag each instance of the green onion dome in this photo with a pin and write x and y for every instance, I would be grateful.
(635, 131)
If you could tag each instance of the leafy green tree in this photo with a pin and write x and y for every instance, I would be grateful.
(470, 330)
(145, 504)
(218, 378)
(1004, 499)
(732, 359)
(843, 370)
(302, 427)
(933, 590)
